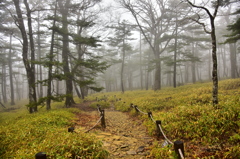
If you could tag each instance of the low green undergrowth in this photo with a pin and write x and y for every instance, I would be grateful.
(103, 104)
(22, 135)
(187, 114)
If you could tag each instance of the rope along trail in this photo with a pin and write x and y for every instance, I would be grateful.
(125, 137)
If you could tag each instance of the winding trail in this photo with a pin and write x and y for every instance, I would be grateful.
(125, 137)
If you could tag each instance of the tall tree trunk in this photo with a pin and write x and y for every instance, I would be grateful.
(233, 60)
(4, 83)
(193, 65)
(51, 56)
(122, 67)
(2, 103)
(147, 72)
(77, 90)
(39, 57)
(29, 70)
(181, 74)
(141, 70)
(157, 78)
(57, 81)
(186, 73)
(215, 65)
(32, 66)
(10, 71)
(214, 48)
(65, 53)
(175, 55)
(223, 53)
(17, 87)
(209, 66)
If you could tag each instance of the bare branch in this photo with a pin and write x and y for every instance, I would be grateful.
(201, 7)
(200, 23)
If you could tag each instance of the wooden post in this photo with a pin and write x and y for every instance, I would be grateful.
(71, 129)
(103, 124)
(136, 109)
(149, 114)
(131, 105)
(99, 107)
(179, 145)
(41, 155)
(158, 131)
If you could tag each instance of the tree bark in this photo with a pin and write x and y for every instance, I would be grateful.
(215, 69)
(29, 69)
(193, 65)
(214, 48)
(157, 77)
(32, 65)
(175, 55)
(122, 66)
(233, 60)
(39, 57)
(10, 71)
(77, 90)
(49, 86)
(141, 70)
(4, 83)
(65, 53)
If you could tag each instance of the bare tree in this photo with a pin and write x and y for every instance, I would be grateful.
(212, 16)
(153, 21)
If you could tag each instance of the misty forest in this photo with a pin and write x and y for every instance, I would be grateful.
(175, 61)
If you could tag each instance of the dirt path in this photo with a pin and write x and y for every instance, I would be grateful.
(125, 137)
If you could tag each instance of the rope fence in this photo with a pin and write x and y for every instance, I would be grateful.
(178, 145)
(102, 119)
(94, 125)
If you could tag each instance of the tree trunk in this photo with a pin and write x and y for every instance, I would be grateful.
(233, 60)
(223, 54)
(209, 66)
(10, 71)
(65, 53)
(49, 86)
(186, 73)
(57, 81)
(215, 65)
(4, 83)
(2, 103)
(148, 72)
(39, 57)
(122, 67)
(214, 49)
(175, 55)
(17, 87)
(77, 90)
(29, 69)
(141, 70)
(193, 66)
(157, 79)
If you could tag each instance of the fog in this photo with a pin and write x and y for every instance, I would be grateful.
(111, 46)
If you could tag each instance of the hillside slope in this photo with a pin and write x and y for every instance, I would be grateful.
(187, 114)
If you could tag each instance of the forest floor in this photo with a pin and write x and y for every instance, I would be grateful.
(124, 137)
